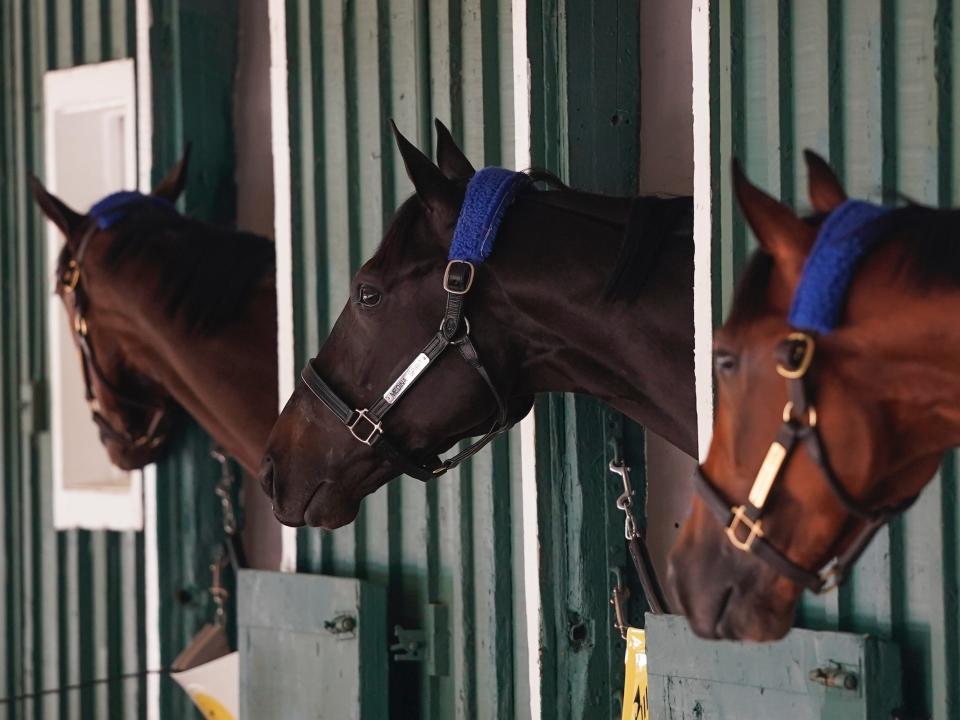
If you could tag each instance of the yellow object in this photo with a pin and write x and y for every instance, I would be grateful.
(214, 686)
(635, 706)
(211, 708)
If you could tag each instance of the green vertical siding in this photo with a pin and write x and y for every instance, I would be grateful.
(873, 86)
(352, 66)
(72, 603)
(193, 47)
(585, 125)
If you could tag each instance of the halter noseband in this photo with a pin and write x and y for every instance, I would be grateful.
(366, 425)
(71, 284)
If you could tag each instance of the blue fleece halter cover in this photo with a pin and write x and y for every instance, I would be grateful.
(490, 192)
(844, 238)
(115, 207)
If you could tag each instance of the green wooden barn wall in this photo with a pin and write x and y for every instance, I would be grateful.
(71, 603)
(873, 86)
(352, 66)
(587, 130)
(193, 48)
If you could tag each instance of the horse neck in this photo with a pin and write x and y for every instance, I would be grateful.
(553, 267)
(226, 380)
(914, 338)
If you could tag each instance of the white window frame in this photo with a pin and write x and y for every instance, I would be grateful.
(117, 504)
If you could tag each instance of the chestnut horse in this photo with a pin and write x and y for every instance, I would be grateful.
(857, 389)
(168, 313)
(568, 301)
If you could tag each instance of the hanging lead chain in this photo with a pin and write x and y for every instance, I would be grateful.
(637, 549)
(218, 592)
(631, 530)
(224, 490)
(618, 598)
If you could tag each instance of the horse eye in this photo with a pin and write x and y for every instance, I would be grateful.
(368, 296)
(725, 361)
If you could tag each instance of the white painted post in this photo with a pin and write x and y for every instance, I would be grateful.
(151, 559)
(702, 224)
(282, 232)
(528, 468)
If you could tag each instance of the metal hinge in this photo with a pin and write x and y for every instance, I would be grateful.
(431, 646)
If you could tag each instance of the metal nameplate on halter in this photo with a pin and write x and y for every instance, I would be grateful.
(768, 473)
(405, 380)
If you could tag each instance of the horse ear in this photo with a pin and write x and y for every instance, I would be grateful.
(55, 209)
(779, 231)
(826, 192)
(450, 158)
(172, 185)
(436, 191)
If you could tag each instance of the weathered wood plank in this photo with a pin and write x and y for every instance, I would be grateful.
(695, 678)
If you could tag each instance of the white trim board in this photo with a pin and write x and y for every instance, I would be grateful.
(151, 620)
(90, 139)
(528, 466)
(702, 224)
(282, 232)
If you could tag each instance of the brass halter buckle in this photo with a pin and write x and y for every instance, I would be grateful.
(753, 526)
(71, 277)
(804, 364)
(374, 428)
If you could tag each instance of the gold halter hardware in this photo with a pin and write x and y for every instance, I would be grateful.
(762, 484)
(753, 526)
(808, 347)
(71, 277)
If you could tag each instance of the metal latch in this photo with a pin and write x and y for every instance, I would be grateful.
(431, 646)
(835, 675)
(410, 644)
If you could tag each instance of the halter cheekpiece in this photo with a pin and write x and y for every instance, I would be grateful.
(847, 234)
(105, 214)
(489, 194)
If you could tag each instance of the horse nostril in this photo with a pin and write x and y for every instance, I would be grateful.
(267, 476)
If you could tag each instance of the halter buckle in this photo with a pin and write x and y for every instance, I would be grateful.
(467, 285)
(740, 518)
(795, 373)
(71, 277)
(375, 427)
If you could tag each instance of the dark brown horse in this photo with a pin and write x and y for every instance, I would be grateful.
(168, 313)
(567, 302)
(862, 414)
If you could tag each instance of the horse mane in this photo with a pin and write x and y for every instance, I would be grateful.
(931, 247)
(206, 274)
(656, 218)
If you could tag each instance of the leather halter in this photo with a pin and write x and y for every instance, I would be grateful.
(70, 284)
(366, 425)
(743, 523)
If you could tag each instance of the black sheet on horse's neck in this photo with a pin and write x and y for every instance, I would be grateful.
(651, 223)
(611, 314)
